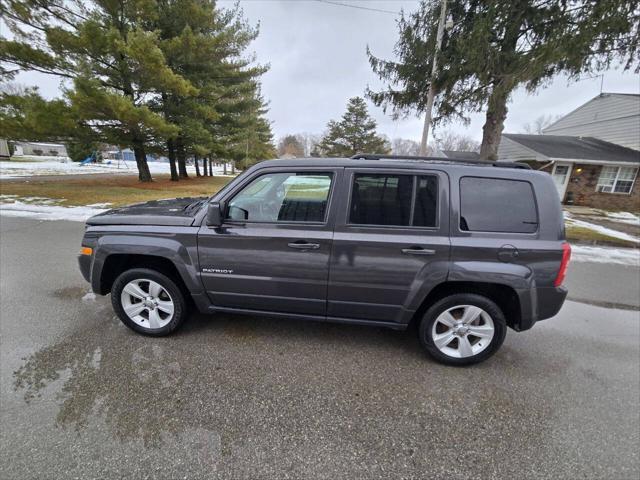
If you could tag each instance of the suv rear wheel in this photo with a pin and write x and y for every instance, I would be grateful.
(462, 329)
(148, 302)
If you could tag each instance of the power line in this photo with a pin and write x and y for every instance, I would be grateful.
(360, 7)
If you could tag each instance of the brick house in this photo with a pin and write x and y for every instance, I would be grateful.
(593, 153)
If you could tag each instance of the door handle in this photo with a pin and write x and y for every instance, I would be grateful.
(418, 251)
(304, 245)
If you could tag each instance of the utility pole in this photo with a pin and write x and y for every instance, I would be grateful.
(434, 70)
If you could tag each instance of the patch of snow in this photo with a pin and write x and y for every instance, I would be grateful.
(619, 256)
(600, 229)
(89, 297)
(48, 212)
(624, 217)
(40, 158)
(41, 200)
(99, 205)
(12, 169)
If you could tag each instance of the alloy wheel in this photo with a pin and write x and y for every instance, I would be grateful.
(147, 303)
(463, 331)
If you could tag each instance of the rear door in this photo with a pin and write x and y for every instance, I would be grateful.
(272, 252)
(390, 243)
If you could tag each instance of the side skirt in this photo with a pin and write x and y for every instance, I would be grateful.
(296, 316)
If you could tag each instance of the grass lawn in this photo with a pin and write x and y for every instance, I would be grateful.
(117, 190)
(586, 235)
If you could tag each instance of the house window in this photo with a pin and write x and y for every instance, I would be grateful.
(616, 179)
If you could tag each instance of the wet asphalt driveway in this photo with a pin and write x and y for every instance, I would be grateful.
(237, 397)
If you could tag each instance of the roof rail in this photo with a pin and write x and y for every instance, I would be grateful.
(463, 161)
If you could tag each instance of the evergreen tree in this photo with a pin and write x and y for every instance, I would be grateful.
(355, 133)
(26, 116)
(206, 45)
(113, 59)
(494, 47)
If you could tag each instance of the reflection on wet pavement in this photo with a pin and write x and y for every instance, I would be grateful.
(246, 396)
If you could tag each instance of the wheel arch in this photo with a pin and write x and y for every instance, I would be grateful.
(117, 263)
(505, 296)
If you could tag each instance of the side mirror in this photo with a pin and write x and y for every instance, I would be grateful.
(214, 214)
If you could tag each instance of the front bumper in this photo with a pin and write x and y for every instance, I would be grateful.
(84, 261)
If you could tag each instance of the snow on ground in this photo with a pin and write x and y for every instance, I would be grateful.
(619, 256)
(569, 220)
(624, 217)
(44, 210)
(13, 169)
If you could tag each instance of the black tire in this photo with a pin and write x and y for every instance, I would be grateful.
(180, 311)
(426, 327)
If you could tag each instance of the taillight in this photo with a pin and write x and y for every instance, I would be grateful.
(566, 255)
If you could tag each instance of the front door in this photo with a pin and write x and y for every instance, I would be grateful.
(272, 252)
(561, 173)
(391, 241)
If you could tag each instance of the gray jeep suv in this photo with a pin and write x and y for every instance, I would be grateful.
(463, 250)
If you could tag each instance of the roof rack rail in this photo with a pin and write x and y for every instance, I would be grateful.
(463, 161)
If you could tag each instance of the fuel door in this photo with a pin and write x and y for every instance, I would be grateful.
(508, 253)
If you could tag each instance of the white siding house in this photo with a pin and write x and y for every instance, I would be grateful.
(592, 153)
(613, 117)
(510, 150)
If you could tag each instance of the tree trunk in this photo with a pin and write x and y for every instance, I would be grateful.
(224, 167)
(171, 149)
(233, 167)
(494, 122)
(210, 167)
(204, 166)
(195, 161)
(182, 159)
(144, 175)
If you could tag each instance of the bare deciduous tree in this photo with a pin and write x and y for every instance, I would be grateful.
(449, 140)
(405, 146)
(309, 141)
(290, 146)
(539, 124)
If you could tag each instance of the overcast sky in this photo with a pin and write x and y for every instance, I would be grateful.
(317, 53)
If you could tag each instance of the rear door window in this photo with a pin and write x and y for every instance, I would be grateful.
(497, 205)
(425, 213)
(381, 199)
(389, 200)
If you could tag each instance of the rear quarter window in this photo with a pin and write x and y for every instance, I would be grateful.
(497, 205)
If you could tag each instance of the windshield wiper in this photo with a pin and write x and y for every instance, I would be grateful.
(194, 205)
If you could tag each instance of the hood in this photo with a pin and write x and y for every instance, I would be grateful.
(175, 211)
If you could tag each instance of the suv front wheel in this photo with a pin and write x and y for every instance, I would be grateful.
(462, 329)
(148, 302)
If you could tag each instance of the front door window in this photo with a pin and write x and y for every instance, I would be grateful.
(283, 197)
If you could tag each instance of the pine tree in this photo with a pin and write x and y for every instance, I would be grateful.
(206, 45)
(112, 58)
(355, 133)
(494, 47)
(26, 116)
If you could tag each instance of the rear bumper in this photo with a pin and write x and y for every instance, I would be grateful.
(539, 304)
(550, 301)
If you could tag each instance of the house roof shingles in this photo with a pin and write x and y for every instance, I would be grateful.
(576, 148)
